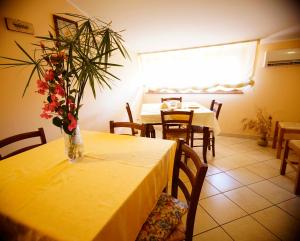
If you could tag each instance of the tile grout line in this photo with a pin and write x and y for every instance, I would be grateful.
(247, 186)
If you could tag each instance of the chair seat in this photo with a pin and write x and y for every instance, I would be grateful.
(175, 136)
(197, 129)
(163, 219)
(178, 234)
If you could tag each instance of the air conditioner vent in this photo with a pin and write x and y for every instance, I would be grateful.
(283, 57)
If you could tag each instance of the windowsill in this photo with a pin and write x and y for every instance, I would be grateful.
(164, 91)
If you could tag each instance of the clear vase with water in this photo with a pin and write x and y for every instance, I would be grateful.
(74, 145)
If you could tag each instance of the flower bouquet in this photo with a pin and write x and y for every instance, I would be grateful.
(65, 65)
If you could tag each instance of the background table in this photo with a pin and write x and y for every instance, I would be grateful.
(105, 196)
(203, 116)
(283, 131)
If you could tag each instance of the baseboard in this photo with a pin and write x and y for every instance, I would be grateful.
(240, 136)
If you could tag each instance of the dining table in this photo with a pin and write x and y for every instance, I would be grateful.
(203, 116)
(105, 195)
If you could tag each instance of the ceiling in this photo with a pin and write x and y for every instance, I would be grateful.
(154, 25)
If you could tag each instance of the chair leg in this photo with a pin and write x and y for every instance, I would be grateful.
(275, 135)
(280, 141)
(297, 186)
(192, 139)
(284, 158)
(213, 145)
(152, 133)
(206, 136)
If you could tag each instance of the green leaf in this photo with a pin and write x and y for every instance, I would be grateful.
(24, 51)
(65, 127)
(57, 121)
(29, 79)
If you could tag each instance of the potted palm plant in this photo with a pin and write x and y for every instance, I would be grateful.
(65, 65)
(261, 125)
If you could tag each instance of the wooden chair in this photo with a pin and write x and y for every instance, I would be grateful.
(10, 140)
(216, 108)
(150, 131)
(131, 125)
(284, 131)
(176, 124)
(171, 98)
(295, 164)
(191, 195)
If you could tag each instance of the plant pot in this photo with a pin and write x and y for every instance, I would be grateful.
(262, 141)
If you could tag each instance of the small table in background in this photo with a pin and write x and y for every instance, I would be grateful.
(203, 116)
(282, 129)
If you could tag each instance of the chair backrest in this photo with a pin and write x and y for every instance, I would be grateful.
(171, 98)
(196, 178)
(133, 132)
(216, 107)
(10, 140)
(176, 124)
(131, 125)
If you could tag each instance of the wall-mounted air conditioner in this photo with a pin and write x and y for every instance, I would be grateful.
(282, 57)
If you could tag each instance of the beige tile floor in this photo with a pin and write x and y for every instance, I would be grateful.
(244, 197)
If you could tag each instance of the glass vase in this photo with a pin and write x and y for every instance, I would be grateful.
(73, 145)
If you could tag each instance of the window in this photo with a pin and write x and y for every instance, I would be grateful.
(218, 68)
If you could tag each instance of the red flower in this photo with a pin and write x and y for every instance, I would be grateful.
(45, 115)
(57, 58)
(73, 123)
(71, 104)
(59, 90)
(42, 87)
(49, 75)
(60, 111)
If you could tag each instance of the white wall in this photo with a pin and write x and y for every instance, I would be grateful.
(22, 114)
(276, 89)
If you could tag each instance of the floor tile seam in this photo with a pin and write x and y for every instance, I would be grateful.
(250, 183)
(243, 166)
(267, 198)
(242, 185)
(216, 187)
(260, 174)
(258, 162)
(298, 219)
(243, 216)
(268, 179)
(254, 220)
(279, 185)
(225, 222)
(249, 213)
(214, 173)
(266, 227)
(209, 196)
(218, 225)
(226, 232)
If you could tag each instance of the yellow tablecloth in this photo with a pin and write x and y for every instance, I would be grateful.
(203, 116)
(106, 196)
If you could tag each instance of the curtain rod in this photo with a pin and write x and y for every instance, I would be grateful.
(197, 47)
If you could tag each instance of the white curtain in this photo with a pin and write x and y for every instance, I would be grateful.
(223, 67)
